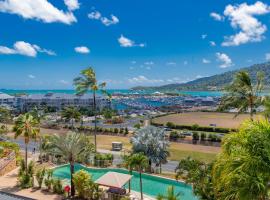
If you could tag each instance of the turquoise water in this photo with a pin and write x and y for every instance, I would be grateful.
(123, 91)
(152, 185)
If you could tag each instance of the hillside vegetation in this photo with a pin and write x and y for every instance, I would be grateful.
(216, 82)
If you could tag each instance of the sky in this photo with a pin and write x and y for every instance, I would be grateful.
(44, 44)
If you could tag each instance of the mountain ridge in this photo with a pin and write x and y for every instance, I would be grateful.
(215, 82)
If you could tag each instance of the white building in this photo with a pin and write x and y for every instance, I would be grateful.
(53, 100)
(7, 100)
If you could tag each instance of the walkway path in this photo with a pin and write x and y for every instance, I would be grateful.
(8, 183)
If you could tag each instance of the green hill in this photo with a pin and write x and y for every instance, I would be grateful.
(216, 82)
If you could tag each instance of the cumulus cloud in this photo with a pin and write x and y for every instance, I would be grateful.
(64, 82)
(212, 43)
(224, 59)
(143, 79)
(96, 15)
(26, 49)
(171, 63)
(267, 56)
(203, 36)
(206, 61)
(41, 10)
(31, 76)
(125, 42)
(149, 63)
(242, 18)
(82, 49)
(217, 16)
(72, 4)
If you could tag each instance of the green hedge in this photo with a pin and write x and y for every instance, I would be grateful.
(196, 127)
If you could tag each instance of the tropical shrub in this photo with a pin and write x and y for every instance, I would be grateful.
(174, 135)
(40, 174)
(195, 136)
(57, 186)
(242, 170)
(48, 180)
(203, 136)
(199, 175)
(126, 131)
(85, 186)
(26, 175)
(103, 160)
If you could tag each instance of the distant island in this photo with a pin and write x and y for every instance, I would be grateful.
(215, 82)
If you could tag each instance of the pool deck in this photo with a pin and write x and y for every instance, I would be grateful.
(8, 183)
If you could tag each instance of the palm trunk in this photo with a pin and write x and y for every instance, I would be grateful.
(26, 156)
(141, 184)
(71, 178)
(95, 114)
(129, 183)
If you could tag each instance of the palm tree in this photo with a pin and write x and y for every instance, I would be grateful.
(242, 170)
(138, 162)
(71, 147)
(27, 126)
(170, 195)
(243, 94)
(71, 114)
(87, 81)
(152, 142)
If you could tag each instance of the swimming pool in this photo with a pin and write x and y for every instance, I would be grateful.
(152, 185)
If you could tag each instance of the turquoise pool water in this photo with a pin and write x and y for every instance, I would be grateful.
(152, 185)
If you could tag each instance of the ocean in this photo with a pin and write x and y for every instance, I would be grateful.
(111, 91)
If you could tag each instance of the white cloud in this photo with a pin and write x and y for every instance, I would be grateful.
(217, 16)
(242, 18)
(125, 42)
(64, 82)
(143, 79)
(171, 63)
(37, 9)
(212, 43)
(199, 76)
(185, 62)
(267, 56)
(205, 61)
(204, 36)
(149, 63)
(24, 48)
(72, 4)
(82, 49)
(224, 59)
(31, 76)
(133, 62)
(96, 15)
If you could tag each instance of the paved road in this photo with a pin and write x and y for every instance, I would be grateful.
(168, 167)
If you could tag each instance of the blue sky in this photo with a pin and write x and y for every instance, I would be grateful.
(45, 43)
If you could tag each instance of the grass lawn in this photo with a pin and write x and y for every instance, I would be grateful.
(178, 150)
(223, 120)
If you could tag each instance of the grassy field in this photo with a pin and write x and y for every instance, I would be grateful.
(178, 151)
(223, 120)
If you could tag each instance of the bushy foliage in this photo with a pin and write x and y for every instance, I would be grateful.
(40, 174)
(199, 175)
(26, 175)
(85, 186)
(242, 169)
